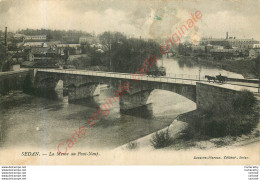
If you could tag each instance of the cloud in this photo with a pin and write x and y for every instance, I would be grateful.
(238, 17)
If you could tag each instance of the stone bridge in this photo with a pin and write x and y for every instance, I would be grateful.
(83, 84)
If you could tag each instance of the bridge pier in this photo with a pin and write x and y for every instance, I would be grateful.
(131, 101)
(82, 91)
(45, 87)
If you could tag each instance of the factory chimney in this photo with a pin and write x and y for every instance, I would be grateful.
(227, 35)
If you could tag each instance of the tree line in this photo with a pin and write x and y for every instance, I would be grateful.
(122, 54)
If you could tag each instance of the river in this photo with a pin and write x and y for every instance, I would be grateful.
(30, 121)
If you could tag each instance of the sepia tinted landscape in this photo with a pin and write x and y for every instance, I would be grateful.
(129, 82)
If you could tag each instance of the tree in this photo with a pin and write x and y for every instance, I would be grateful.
(131, 54)
(3, 55)
(110, 39)
(257, 66)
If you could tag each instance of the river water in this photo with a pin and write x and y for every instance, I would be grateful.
(30, 121)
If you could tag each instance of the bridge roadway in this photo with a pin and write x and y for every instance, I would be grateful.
(178, 78)
(7, 73)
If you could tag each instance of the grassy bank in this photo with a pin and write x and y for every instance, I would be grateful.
(226, 119)
(222, 124)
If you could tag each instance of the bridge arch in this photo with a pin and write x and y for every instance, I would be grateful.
(85, 86)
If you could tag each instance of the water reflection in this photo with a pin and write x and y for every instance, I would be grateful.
(187, 67)
(144, 111)
(185, 63)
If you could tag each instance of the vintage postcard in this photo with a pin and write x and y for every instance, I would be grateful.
(118, 82)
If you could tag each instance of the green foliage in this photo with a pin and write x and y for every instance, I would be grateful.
(127, 55)
(187, 134)
(244, 102)
(131, 145)
(225, 118)
(257, 66)
(3, 56)
(161, 139)
(132, 54)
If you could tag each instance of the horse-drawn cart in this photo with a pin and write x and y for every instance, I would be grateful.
(218, 78)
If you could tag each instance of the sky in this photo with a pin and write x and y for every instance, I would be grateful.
(135, 17)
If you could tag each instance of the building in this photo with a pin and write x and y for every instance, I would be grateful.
(19, 37)
(71, 49)
(35, 44)
(43, 53)
(37, 38)
(53, 44)
(225, 52)
(254, 52)
(230, 42)
(256, 45)
(242, 43)
(41, 57)
(214, 41)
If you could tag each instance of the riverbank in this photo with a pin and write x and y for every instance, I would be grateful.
(245, 67)
(197, 130)
(144, 143)
(178, 127)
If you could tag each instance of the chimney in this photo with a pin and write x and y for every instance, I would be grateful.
(227, 35)
(5, 36)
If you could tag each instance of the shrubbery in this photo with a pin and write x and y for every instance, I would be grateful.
(131, 145)
(161, 139)
(225, 118)
(244, 102)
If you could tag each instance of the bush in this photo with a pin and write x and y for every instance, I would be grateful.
(224, 118)
(161, 139)
(215, 128)
(244, 102)
(187, 134)
(131, 145)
